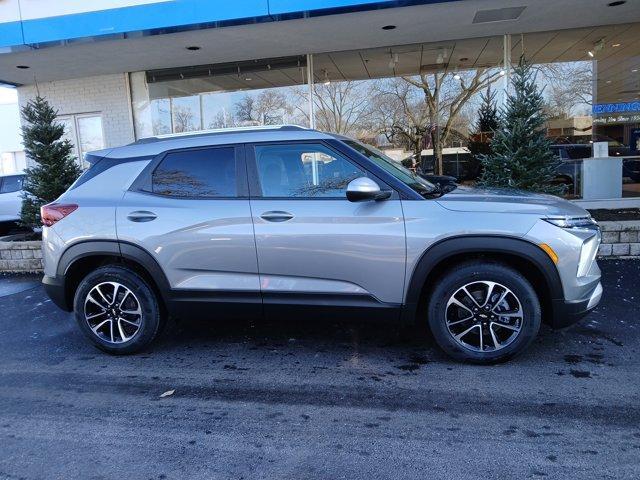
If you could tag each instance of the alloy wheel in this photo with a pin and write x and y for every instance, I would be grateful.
(113, 312)
(484, 316)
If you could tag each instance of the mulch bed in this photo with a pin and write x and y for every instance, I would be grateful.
(622, 214)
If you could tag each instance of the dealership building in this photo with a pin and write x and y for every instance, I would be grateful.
(121, 70)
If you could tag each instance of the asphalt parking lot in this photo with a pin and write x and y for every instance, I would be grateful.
(332, 400)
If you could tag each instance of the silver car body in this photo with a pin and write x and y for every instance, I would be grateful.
(330, 248)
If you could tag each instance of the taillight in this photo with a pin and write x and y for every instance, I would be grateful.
(54, 212)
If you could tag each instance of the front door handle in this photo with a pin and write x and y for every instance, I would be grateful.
(276, 216)
(140, 216)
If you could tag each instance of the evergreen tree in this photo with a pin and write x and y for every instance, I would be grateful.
(55, 168)
(521, 154)
(488, 121)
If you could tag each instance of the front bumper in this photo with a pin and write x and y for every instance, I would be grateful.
(54, 286)
(567, 313)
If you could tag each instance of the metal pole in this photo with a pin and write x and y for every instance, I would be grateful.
(506, 67)
(310, 83)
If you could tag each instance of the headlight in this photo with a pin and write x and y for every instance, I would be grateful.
(573, 222)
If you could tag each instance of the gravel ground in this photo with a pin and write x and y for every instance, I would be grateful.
(289, 400)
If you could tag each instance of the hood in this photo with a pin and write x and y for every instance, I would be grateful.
(465, 199)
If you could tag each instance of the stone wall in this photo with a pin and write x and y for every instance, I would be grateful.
(620, 239)
(21, 257)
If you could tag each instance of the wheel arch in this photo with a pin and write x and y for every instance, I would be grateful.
(81, 258)
(526, 257)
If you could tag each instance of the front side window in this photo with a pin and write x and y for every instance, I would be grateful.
(10, 184)
(406, 176)
(304, 171)
(197, 173)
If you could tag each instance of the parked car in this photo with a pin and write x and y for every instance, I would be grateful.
(291, 222)
(572, 150)
(10, 201)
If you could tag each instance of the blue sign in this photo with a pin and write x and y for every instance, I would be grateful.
(604, 108)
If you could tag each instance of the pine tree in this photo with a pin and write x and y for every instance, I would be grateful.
(55, 168)
(521, 154)
(488, 121)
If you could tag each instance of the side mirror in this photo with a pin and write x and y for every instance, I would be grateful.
(363, 189)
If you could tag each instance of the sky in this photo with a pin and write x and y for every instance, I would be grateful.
(8, 95)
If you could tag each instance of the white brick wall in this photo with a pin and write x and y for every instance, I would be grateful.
(106, 94)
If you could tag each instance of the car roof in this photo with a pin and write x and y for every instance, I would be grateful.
(152, 146)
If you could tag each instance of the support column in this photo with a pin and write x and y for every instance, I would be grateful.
(310, 83)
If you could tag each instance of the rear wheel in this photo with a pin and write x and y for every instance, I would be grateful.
(117, 310)
(484, 312)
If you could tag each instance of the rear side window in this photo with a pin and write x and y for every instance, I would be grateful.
(197, 173)
(11, 184)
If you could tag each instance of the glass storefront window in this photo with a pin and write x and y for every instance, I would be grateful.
(264, 92)
(419, 103)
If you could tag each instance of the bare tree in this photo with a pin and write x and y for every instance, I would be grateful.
(568, 85)
(445, 95)
(399, 112)
(266, 108)
(245, 108)
(339, 107)
(182, 119)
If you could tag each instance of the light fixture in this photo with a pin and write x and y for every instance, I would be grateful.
(456, 75)
(464, 59)
(617, 3)
(389, 27)
(393, 61)
(502, 73)
(616, 45)
(193, 48)
(248, 79)
(23, 67)
(599, 45)
(608, 82)
(326, 82)
(635, 70)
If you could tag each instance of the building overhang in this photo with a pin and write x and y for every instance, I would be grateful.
(277, 29)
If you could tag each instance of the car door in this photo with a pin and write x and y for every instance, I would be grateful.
(190, 210)
(315, 248)
(10, 197)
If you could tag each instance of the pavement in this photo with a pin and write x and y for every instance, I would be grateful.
(329, 400)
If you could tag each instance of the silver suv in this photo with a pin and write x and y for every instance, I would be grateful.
(286, 221)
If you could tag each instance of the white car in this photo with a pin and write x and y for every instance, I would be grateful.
(10, 199)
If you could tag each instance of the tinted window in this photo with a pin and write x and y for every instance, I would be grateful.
(303, 170)
(197, 173)
(11, 184)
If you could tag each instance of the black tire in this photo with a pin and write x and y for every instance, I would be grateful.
(479, 271)
(152, 319)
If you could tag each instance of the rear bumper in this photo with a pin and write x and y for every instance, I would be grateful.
(54, 286)
(567, 313)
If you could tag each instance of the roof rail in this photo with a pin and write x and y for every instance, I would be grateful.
(218, 131)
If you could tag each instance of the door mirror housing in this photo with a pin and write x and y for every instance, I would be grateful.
(363, 189)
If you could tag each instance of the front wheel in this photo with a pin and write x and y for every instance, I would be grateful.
(484, 312)
(117, 310)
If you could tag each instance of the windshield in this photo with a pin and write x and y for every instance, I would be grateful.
(406, 176)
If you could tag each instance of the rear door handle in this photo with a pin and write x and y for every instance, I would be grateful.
(276, 216)
(141, 216)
